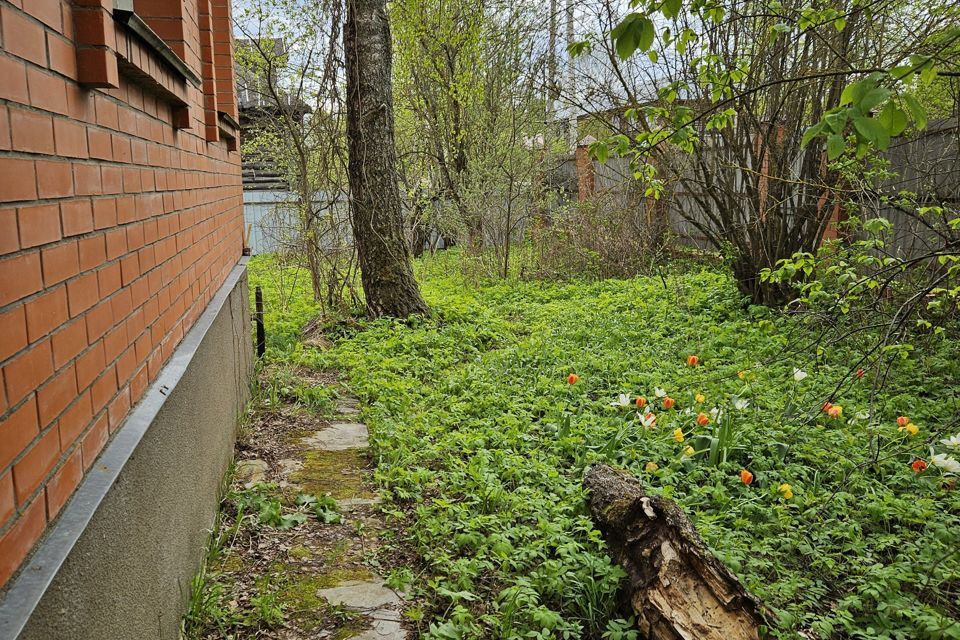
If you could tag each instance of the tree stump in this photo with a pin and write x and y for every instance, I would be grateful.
(677, 588)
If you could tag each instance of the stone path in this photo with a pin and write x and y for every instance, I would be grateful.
(325, 578)
(369, 597)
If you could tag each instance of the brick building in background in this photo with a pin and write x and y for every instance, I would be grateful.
(124, 347)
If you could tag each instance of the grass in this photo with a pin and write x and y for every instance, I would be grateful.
(481, 447)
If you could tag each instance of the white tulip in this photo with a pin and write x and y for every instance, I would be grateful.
(952, 442)
(623, 400)
(799, 374)
(946, 463)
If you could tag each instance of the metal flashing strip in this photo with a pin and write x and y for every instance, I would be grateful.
(23, 594)
(123, 12)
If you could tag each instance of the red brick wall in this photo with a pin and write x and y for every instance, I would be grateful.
(116, 228)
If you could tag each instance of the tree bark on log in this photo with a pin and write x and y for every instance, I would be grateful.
(388, 283)
(677, 588)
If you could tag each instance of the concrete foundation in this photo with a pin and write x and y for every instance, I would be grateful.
(119, 562)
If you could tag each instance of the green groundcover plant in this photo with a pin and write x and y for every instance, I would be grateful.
(834, 503)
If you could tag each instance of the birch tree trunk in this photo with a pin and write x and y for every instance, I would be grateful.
(388, 283)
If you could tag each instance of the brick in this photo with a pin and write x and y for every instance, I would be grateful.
(63, 56)
(104, 389)
(116, 243)
(138, 385)
(5, 141)
(34, 466)
(75, 421)
(99, 320)
(111, 180)
(60, 262)
(23, 37)
(98, 142)
(13, 328)
(104, 213)
(76, 217)
(45, 313)
(121, 148)
(56, 395)
(86, 178)
(118, 409)
(19, 540)
(63, 483)
(54, 179)
(130, 269)
(17, 431)
(90, 365)
(93, 252)
(71, 138)
(97, 68)
(106, 112)
(114, 344)
(8, 502)
(32, 131)
(39, 224)
(126, 364)
(14, 85)
(19, 179)
(48, 92)
(82, 293)
(108, 279)
(47, 12)
(94, 441)
(96, 28)
(20, 276)
(68, 342)
(9, 236)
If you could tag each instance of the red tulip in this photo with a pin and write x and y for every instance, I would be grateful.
(703, 419)
(903, 421)
(693, 360)
(746, 477)
(668, 402)
(919, 466)
(827, 406)
(572, 378)
(641, 402)
(861, 373)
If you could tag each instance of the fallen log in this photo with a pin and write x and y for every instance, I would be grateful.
(677, 588)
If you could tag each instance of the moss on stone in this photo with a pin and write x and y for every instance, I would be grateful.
(300, 552)
(323, 472)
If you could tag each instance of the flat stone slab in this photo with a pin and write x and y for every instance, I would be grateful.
(361, 595)
(376, 600)
(251, 472)
(339, 436)
(349, 503)
(347, 410)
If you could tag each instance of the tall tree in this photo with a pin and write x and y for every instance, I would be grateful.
(388, 283)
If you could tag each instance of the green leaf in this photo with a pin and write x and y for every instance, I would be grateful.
(872, 131)
(835, 146)
(811, 133)
(671, 8)
(840, 24)
(872, 98)
(893, 118)
(634, 32)
(917, 112)
(599, 150)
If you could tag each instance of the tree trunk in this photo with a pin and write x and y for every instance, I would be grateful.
(388, 283)
(678, 590)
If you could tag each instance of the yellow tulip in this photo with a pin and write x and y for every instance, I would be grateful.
(651, 467)
(786, 491)
(678, 435)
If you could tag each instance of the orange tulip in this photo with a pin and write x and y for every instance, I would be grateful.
(693, 360)
(641, 402)
(703, 419)
(827, 406)
(835, 411)
(919, 466)
(746, 477)
(572, 378)
(903, 421)
(669, 402)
